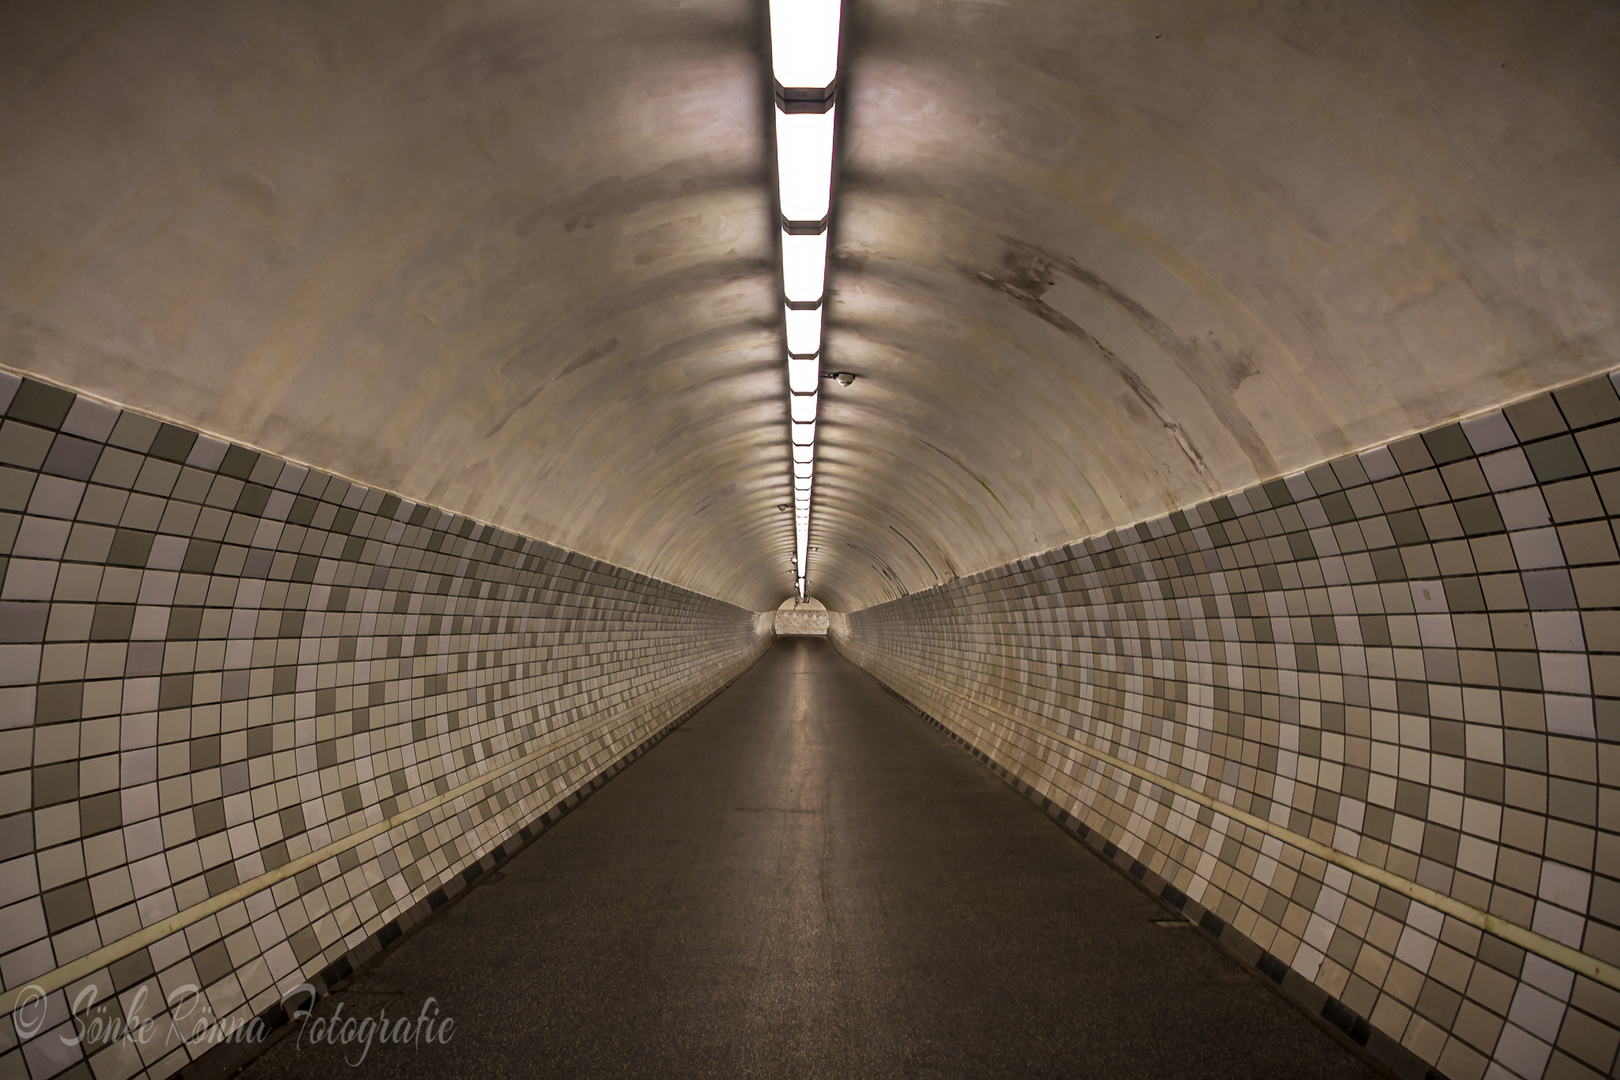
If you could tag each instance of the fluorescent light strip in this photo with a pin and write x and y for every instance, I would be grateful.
(804, 147)
(804, 42)
(804, 265)
(804, 60)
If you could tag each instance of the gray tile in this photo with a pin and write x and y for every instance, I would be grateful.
(207, 453)
(1536, 418)
(56, 496)
(133, 432)
(40, 403)
(41, 538)
(16, 486)
(1489, 432)
(1555, 459)
(29, 579)
(24, 445)
(90, 419)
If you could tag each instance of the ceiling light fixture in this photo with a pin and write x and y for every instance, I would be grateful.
(803, 330)
(802, 374)
(802, 407)
(804, 60)
(804, 147)
(804, 266)
(804, 42)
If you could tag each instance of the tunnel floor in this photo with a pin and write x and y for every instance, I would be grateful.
(806, 880)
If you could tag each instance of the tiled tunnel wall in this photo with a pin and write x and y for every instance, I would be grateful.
(214, 662)
(1411, 655)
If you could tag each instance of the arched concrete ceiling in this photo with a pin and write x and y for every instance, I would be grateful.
(1091, 261)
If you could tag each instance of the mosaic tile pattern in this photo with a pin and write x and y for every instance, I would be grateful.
(791, 623)
(214, 662)
(1411, 654)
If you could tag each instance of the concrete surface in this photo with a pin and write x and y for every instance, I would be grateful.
(1093, 261)
(807, 880)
